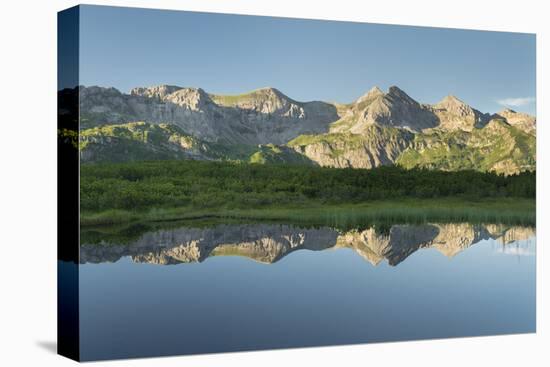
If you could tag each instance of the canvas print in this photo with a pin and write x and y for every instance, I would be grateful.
(233, 183)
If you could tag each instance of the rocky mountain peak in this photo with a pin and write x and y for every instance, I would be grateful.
(270, 94)
(159, 91)
(372, 93)
(375, 91)
(270, 91)
(94, 90)
(264, 101)
(519, 120)
(399, 95)
(192, 98)
(394, 109)
(454, 114)
(451, 101)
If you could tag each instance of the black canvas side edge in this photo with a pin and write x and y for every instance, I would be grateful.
(68, 217)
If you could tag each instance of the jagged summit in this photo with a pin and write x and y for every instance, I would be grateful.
(519, 120)
(193, 98)
(394, 90)
(394, 94)
(271, 92)
(506, 111)
(372, 93)
(397, 95)
(160, 91)
(455, 114)
(256, 96)
(392, 109)
(375, 90)
(265, 100)
(451, 100)
(268, 90)
(188, 97)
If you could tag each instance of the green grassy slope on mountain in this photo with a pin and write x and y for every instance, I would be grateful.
(141, 141)
(138, 141)
(497, 147)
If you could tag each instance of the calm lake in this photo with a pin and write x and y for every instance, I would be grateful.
(230, 287)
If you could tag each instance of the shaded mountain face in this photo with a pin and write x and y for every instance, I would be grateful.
(268, 243)
(266, 126)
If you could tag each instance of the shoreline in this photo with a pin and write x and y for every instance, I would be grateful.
(498, 210)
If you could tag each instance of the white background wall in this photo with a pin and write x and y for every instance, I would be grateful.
(28, 181)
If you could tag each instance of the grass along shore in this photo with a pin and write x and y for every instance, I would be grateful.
(406, 210)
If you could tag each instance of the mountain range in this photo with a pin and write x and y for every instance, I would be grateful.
(266, 126)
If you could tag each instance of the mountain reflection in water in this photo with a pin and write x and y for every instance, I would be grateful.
(268, 243)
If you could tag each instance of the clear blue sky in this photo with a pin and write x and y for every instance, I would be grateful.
(305, 59)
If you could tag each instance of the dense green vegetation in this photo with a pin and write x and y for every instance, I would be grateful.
(178, 189)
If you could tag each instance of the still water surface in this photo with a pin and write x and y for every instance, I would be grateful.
(220, 288)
